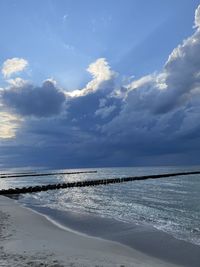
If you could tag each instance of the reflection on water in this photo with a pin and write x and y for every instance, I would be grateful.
(170, 204)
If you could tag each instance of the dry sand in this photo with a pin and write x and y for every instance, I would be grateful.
(30, 239)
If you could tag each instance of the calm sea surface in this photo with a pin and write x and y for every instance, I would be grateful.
(171, 204)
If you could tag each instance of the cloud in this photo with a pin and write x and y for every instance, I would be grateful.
(182, 74)
(13, 65)
(17, 82)
(175, 85)
(197, 17)
(140, 82)
(104, 112)
(151, 120)
(100, 72)
(9, 123)
(28, 100)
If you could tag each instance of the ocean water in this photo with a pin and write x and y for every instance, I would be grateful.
(171, 205)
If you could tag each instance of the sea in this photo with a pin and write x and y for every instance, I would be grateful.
(170, 205)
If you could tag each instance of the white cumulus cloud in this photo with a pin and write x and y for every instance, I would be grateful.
(13, 65)
(17, 82)
(101, 72)
(197, 17)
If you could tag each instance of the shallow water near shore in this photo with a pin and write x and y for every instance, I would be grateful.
(170, 205)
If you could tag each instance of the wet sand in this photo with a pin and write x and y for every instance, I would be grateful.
(30, 239)
(140, 237)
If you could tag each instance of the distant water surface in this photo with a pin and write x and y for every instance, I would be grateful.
(171, 204)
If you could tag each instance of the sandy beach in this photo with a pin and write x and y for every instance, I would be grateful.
(30, 239)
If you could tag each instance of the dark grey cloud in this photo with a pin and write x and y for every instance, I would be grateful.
(28, 100)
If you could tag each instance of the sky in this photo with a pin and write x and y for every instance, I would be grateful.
(99, 83)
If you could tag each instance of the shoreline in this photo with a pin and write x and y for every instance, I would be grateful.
(143, 238)
(31, 240)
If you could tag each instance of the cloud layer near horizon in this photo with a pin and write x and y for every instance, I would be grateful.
(153, 120)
